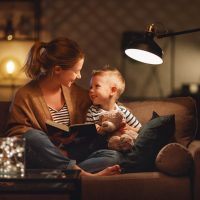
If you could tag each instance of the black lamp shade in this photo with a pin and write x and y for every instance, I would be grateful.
(145, 50)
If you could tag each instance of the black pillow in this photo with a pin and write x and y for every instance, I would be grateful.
(152, 137)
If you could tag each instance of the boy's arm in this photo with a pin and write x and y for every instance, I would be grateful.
(89, 116)
(90, 119)
(128, 127)
(131, 120)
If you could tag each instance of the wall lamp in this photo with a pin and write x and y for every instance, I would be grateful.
(146, 50)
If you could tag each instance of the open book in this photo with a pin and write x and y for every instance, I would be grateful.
(82, 130)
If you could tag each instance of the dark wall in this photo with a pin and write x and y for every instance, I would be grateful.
(98, 26)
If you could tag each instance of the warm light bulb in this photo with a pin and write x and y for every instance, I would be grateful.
(10, 67)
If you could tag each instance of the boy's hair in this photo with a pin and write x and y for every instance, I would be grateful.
(115, 75)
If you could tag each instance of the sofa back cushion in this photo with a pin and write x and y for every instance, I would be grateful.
(4, 110)
(184, 109)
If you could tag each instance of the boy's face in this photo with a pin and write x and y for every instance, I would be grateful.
(100, 90)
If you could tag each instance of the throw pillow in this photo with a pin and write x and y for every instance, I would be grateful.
(174, 159)
(152, 137)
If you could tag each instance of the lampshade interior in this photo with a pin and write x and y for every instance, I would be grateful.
(144, 56)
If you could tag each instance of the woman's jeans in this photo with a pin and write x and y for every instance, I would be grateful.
(42, 153)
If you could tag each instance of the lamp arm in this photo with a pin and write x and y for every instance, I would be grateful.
(178, 33)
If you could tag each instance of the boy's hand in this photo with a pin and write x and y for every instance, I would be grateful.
(127, 127)
(99, 129)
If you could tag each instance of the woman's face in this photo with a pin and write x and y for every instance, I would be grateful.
(67, 76)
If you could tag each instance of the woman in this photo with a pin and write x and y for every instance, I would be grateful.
(51, 95)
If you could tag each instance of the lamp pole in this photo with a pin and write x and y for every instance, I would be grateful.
(178, 33)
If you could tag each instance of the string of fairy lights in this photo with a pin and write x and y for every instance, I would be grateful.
(12, 155)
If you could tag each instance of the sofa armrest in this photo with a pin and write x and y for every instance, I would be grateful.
(194, 149)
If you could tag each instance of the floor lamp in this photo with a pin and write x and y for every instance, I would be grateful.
(146, 50)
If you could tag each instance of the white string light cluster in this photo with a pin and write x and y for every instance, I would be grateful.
(12, 155)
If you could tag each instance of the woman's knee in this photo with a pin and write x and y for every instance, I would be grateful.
(35, 137)
(34, 134)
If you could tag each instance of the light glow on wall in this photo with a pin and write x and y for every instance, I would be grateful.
(10, 67)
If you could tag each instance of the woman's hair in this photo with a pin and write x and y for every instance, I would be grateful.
(43, 56)
(114, 75)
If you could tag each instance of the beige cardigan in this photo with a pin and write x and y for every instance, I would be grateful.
(29, 109)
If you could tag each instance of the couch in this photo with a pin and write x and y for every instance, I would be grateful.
(156, 184)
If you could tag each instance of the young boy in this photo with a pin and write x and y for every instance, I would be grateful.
(106, 86)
